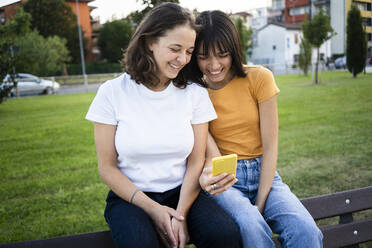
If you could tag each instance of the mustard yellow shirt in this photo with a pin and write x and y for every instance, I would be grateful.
(237, 128)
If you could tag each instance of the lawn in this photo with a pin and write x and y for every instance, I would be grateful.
(50, 185)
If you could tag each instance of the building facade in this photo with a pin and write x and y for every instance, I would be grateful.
(338, 13)
(296, 11)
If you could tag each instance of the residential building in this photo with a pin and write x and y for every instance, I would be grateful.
(8, 9)
(276, 11)
(296, 11)
(339, 10)
(280, 52)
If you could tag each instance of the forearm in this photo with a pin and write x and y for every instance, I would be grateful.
(212, 151)
(268, 168)
(190, 188)
(124, 188)
(269, 136)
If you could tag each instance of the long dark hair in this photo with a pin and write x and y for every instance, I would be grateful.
(139, 61)
(216, 30)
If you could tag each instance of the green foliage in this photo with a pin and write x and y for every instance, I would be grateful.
(356, 42)
(41, 56)
(137, 16)
(114, 38)
(93, 68)
(9, 33)
(317, 31)
(245, 35)
(55, 17)
(304, 60)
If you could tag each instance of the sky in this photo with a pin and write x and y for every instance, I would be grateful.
(109, 9)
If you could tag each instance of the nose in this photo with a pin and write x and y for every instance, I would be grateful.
(214, 63)
(182, 58)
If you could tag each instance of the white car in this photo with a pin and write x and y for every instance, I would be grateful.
(29, 84)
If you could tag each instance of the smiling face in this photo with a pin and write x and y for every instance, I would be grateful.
(173, 51)
(215, 66)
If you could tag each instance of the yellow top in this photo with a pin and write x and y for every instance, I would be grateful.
(237, 128)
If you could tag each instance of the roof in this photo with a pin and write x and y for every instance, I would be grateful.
(289, 26)
(80, 1)
(8, 2)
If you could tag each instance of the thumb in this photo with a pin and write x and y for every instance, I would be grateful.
(175, 214)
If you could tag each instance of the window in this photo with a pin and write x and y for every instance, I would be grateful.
(296, 38)
(299, 11)
(295, 58)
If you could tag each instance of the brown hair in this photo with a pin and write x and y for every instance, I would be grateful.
(139, 62)
(217, 30)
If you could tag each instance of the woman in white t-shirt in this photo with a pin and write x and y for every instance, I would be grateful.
(150, 130)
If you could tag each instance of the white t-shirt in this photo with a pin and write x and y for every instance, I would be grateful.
(154, 135)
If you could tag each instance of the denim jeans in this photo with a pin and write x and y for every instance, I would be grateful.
(208, 224)
(283, 214)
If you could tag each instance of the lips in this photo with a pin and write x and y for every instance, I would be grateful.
(175, 67)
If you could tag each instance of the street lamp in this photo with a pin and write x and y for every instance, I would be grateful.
(81, 46)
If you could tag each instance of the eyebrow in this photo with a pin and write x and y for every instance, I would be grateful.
(178, 45)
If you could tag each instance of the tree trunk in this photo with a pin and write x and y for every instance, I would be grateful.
(316, 66)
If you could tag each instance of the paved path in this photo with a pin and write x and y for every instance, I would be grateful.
(80, 88)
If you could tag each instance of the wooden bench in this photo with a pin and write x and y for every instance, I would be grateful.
(347, 232)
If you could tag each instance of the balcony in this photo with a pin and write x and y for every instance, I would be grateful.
(366, 14)
(320, 2)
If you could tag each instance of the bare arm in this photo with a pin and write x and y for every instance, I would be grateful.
(269, 135)
(190, 185)
(123, 187)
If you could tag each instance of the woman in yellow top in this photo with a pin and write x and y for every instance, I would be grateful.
(244, 98)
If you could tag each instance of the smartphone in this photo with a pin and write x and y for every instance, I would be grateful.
(227, 163)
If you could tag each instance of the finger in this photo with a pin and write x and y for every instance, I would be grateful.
(209, 181)
(163, 237)
(175, 214)
(225, 187)
(217, 179)
(207, 171)
(170, 237)
(182, 241)
(226, 180)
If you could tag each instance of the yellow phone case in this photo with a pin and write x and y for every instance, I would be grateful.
(227, 163)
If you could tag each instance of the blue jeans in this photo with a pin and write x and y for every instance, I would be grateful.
(208, 224)
(284, 214)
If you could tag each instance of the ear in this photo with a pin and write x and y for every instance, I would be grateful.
(150, 45)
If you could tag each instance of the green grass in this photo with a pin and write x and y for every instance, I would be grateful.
(50, 185)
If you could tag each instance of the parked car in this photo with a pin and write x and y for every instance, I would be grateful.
(340, 63)
(29, 84)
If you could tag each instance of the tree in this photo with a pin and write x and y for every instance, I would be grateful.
(39, 55)
(356, 42)
(114, 37)
(137, 16)
(245, 35)
(317, 31)
(304, 60)
(55, 17)
(9, 32)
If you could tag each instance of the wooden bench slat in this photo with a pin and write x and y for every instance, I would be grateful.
(336, 204)
(87, 240)
(343, 234)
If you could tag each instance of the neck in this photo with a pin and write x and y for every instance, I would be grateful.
(160, 86)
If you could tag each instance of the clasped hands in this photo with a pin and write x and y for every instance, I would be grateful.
(171, 226)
